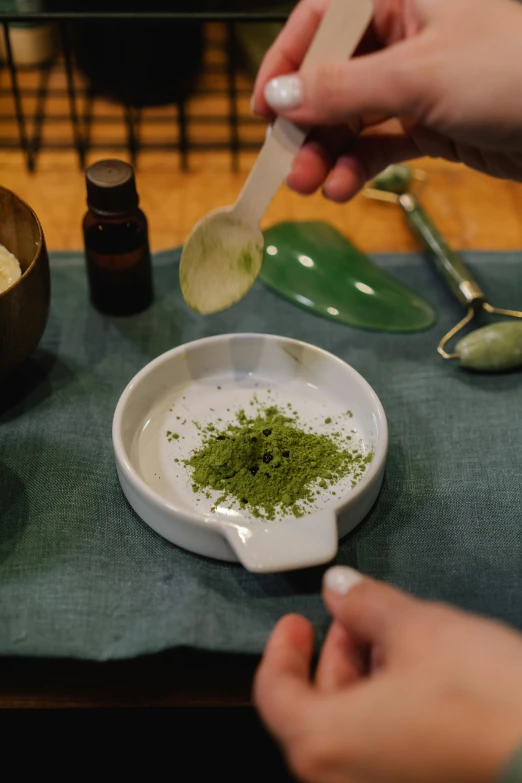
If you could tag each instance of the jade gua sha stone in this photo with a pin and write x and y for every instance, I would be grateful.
(315, 266)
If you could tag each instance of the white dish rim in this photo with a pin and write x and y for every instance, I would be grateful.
(200, 520)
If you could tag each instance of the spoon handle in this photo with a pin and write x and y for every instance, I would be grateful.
(337, 36)
(298, 543)
(451, 266)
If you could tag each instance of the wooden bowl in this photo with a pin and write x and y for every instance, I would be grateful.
(24, 307)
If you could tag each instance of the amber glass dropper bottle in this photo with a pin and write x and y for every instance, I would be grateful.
(116, 240)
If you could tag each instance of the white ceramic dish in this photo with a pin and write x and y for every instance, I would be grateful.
(215, 377)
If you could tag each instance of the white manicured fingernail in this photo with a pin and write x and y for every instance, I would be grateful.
(268, 132)
(341, 579)
(285, 92)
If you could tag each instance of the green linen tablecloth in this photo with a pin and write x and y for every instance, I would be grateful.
(82, 576)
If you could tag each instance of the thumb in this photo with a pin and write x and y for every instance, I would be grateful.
(374, 613)
(387, 83)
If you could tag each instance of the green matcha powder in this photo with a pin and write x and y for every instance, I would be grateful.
(270, 465)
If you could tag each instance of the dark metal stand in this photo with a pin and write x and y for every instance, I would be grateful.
(81, 121)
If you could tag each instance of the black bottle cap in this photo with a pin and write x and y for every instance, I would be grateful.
(111, 187)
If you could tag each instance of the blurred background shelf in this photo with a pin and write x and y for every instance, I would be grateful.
(192, 150)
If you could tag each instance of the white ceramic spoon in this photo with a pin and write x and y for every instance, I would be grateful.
(223, 255)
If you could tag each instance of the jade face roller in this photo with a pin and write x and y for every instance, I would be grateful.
(491, 348)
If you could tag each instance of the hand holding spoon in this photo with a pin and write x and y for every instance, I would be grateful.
(224, 253)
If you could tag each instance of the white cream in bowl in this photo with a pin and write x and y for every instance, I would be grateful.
(10, 269)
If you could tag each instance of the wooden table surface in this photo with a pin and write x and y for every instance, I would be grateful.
(471, 210)
(172, 679)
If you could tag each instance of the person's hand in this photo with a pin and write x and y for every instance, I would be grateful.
(405, 691)
(433, 77)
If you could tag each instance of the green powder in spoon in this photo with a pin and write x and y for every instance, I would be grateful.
(220, 262)
(270, 465)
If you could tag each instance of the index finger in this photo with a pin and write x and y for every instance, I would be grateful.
(288, 50)
(283, 692)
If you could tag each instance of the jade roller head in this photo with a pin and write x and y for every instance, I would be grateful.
(491, 348)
